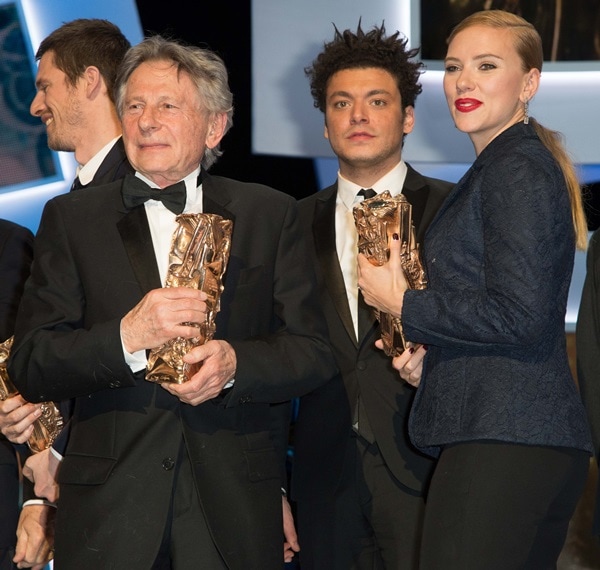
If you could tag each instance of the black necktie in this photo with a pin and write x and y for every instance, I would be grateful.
(360, 421)
(367, 193)
(77, 185)
(365, 313)
(136, 192)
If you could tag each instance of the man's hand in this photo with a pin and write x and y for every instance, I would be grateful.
(217, 364)
(17, 417)
(35, 537)
(290, 544)
(158, 317)
(41, 469)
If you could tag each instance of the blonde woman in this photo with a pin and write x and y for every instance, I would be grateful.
(496, 401)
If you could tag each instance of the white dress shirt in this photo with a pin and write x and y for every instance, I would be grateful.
(162, 226)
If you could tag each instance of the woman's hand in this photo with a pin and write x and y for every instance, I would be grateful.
(383, 286)
(409, 364)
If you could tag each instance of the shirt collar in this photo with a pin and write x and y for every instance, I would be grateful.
(87, 171)
(393, 181)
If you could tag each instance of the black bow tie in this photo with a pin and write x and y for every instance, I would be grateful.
(136, 192)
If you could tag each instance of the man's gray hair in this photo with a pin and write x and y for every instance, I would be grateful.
(205, 68)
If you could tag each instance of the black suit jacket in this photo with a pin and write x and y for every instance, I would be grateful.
(114, 167)
(17, 241)
(94, 262)
(323, 427)
(16, 251)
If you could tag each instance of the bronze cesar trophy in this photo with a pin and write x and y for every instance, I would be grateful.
(48, 425)
(377, 219)
(198, 258)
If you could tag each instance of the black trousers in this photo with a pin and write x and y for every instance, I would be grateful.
(9, 503)
(497, 506)
(187, 543)
(372, 522)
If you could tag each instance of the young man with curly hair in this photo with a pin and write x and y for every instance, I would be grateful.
(358, 483)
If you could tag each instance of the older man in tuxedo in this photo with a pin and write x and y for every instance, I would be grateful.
(172, 475)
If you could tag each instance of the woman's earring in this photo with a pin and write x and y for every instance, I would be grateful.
(526, 110)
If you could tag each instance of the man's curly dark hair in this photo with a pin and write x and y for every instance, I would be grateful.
(349, 50)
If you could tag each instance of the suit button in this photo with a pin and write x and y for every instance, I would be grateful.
(361, 365)
(168, 464)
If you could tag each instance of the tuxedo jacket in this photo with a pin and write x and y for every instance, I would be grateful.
(16, 250)
(322, 432)
(94, 263)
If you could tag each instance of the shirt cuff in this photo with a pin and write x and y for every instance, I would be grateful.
(56, 454)
(38, 502)
(136, 361)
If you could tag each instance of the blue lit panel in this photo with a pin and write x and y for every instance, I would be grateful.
(31, 174)
(25, 159)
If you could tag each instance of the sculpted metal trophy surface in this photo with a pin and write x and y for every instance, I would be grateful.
(198, 259)
(48, 425)
(377, 219)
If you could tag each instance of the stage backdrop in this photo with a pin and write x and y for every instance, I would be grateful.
(286, 37)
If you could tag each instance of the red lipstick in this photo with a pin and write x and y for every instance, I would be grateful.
(466, 105)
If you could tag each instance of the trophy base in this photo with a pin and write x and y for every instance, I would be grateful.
(166, 379)
(166, 372)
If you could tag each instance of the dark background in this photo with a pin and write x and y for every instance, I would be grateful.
(575, 36)
(225, 27)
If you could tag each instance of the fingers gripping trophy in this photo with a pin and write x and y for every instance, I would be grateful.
(377, 219)
(198, 258)
(48, 425)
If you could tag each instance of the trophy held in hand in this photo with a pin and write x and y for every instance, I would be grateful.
(48, 425)
(377, 219)
(198, 258)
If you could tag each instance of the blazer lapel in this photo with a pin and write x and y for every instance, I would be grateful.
(324, 238)
(210, 206)
(137, 240)
(418, 194)
(215, 199)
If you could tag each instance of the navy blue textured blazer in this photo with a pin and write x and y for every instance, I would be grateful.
(499, 257)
